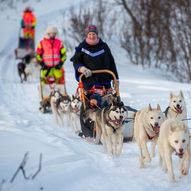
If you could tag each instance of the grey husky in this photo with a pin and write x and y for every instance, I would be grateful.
(109, 126)
(60, 105)
(75, 113)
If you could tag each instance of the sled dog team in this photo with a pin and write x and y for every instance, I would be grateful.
(166, 129)
(66, 107)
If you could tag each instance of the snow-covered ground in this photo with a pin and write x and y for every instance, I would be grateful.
(69, 163)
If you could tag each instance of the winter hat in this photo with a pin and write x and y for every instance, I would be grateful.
(91, 28)
(51, 29)
(28, 8)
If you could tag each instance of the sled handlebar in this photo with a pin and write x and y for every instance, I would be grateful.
(116, 87)
(100, 71)
(104, 71)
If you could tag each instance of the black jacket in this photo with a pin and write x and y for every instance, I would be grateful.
(94, 57)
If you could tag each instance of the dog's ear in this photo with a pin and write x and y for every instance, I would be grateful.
(150, 108)
(111, 104)
(78, 96)
(158, 107)
(73, 97)
(183, 127)
(172, 128)
(181, 93)
(171, 95)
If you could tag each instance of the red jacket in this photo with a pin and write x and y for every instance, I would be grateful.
(50, 51)
(29, 20)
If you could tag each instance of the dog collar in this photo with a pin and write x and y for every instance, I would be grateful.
(151, 137)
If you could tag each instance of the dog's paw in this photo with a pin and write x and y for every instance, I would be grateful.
(77, 132)
(148, 159)
(172, 178)
(184, 172)
(142, 165)
(164, 170)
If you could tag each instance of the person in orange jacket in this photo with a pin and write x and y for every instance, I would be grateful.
(28, 23)
(51, 55)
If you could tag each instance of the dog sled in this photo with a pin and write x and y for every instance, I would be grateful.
(26, 46)
(25, 53)
(107, 97)
(47, 85)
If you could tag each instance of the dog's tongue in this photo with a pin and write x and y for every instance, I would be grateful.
(180, 155)
(156, 129)
(77, 109)
(178, 109)
(117, 121)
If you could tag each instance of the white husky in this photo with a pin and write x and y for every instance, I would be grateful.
(177, 107)
(75, 113)
(146, 128)
(174, 136)
(60, 106)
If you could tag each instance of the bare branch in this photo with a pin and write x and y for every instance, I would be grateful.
(39, 167)
(22, 168)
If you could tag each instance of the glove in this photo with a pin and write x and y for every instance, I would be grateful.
(117, 83)
(44, 67)
(87, 72)
(41, 63)
(59, 66)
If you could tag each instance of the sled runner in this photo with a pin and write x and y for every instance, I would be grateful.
(47, 85)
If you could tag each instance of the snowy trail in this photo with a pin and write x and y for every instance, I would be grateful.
(21, 118)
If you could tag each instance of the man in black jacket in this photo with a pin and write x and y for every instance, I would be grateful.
(94, 54)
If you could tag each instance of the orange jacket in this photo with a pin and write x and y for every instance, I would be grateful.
(51, 52)
(29, 20)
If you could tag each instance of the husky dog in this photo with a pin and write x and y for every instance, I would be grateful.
(64, 107)
(109, 127)
(174, 137)
(21, 71)
(177, 107)
(146, 128)
(59, 105)
(75, 113)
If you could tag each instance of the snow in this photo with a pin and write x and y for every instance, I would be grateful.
(69, 163)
